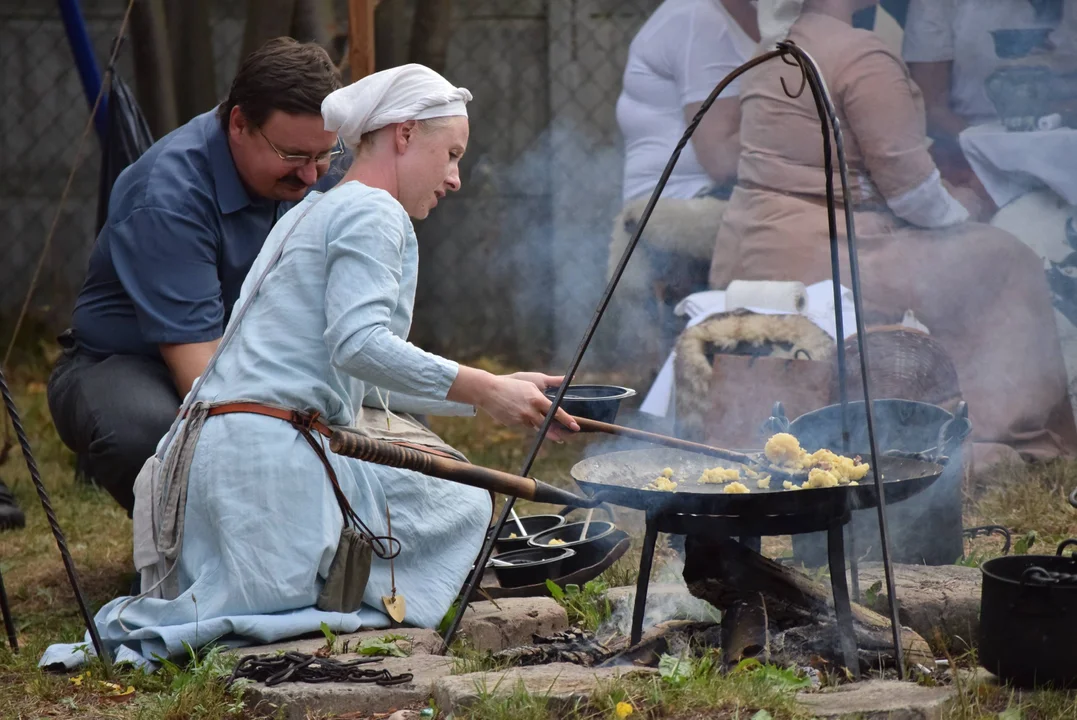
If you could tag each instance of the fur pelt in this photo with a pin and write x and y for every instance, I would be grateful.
(738, 332)
(688, 227)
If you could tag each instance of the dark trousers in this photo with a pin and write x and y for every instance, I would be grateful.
(112, 412)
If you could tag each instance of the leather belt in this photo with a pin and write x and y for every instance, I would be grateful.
(307, 420)
(295, 417)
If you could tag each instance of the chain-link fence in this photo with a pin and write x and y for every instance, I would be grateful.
(519, 259)
(511, 266)
(42, 118)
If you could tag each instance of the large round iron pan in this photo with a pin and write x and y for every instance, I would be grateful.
(619, 478)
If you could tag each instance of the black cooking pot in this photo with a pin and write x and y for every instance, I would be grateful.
(600, 540)
(926, 529)
(533, 525)
(531, 566)
(594, 402)
(1028, 618)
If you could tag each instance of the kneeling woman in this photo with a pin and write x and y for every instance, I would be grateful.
(246, 521)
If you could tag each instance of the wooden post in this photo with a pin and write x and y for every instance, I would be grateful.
(154, 81)
(192, 57)
(430, 33)
(266, 19)
(361, 38)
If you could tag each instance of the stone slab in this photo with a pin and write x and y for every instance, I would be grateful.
(879, 700)
(511, 622)
(303, 700)
(563, 684)
(974, 677)
(940, 603)
(418, 640)
(405, 715)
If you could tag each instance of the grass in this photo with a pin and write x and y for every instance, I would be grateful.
(978, 699)
(467, 659)
(1028, 499)
(99, 537)
(586, 607)
(684, 689)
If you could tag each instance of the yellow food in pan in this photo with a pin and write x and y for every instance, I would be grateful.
(818, 478)
(735, 488)
(719, 475)
(661, 483)
(784, 451)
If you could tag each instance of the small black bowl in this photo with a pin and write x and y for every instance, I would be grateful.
(1019, 42)
(532, 566)
(533, 524)
(594, 402)
(599, 541)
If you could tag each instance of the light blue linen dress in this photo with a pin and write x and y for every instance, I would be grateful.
(328, 325)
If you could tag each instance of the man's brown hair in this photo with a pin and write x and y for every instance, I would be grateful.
(283, 75)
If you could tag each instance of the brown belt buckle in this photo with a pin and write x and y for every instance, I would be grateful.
(306, 419)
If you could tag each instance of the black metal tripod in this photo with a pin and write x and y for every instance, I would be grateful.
(57, 532)
(811, 79)
(9, 621)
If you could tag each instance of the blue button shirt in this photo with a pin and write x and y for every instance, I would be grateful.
(181, 234)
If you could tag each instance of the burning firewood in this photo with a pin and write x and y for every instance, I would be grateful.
(771, 609)
(572, 646)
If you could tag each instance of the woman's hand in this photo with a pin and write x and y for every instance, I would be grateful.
(980, 207)
(515, 400)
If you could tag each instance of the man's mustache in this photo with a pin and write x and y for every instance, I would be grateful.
(292, 180)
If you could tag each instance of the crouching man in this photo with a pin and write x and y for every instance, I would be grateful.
(185, 222)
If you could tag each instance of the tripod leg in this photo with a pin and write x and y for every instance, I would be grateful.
(57, 532)
(9, 621)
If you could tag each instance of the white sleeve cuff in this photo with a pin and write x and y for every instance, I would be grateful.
(929, 205)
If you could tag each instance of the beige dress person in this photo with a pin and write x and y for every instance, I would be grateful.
(980, 291)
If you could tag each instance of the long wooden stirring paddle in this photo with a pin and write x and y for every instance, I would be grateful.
(596, 426)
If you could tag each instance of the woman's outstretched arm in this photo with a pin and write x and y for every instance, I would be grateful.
(364, 259)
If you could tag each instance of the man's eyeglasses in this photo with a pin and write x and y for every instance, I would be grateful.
(301, 160)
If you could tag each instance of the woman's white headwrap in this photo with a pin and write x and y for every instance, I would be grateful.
(776, 18)
(408, 92)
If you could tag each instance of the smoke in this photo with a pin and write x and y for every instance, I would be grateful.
(552, 226)
(584, 176)
(561, 197)
(667, 599)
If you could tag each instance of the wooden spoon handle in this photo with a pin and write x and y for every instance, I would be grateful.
(665, 440)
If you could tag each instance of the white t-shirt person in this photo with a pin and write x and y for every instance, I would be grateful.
(683, 50)
(959, 32)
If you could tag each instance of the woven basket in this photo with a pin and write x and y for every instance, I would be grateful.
(906, 364)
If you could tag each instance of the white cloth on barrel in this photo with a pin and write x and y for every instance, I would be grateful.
(699, 306)
(262, 525)
(408, 92)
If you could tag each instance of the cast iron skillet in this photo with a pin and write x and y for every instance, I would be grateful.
(619, 478)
